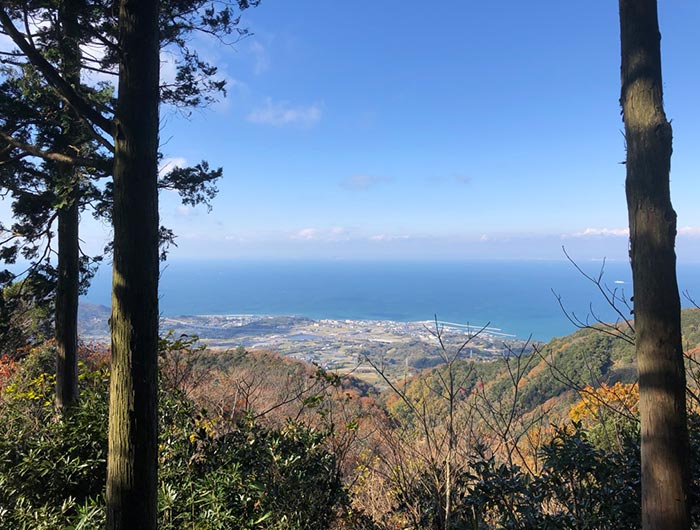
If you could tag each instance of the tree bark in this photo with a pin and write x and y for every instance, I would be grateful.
(67, 308)
(68, 223)
(133, 433)
(652, 222)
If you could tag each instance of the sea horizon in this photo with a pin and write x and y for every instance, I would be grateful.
(515, 296)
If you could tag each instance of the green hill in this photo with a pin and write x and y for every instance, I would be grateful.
(549, 375)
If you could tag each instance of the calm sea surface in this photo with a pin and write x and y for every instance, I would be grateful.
(515, 296)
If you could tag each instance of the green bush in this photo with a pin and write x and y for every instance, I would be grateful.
(212, 476)
(51, 468)
(579, 487)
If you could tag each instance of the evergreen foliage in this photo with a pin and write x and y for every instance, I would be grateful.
(213, 474)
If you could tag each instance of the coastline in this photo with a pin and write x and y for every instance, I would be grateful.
(334, 344)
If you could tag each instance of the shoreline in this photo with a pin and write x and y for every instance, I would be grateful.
(93, 320)
(333, 344)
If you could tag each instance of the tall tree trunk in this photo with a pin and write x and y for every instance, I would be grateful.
(133, 421)
(68, 224)
(652, 222)
(67, 307)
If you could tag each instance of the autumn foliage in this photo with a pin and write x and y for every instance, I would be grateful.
(242, 429)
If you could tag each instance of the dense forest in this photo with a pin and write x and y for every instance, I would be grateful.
(590, 431)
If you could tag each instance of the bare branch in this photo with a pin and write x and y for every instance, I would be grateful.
(622, 328)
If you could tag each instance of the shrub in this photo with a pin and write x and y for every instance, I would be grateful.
(52, 469)
(579, 487)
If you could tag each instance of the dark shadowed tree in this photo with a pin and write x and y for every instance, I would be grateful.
(132, 463)
(652, 222)
(56, 145)
(68, 267)
(132, 37)
(44, 144)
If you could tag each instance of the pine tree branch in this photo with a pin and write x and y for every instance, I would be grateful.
(104, 165)
(54, 78)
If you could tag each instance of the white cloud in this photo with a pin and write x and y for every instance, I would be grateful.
(235, 238)
(446, 180)
(168, 67)
(168, 164)
(282, 113)
(484, 237)
(262, 58)
(336, 233)
(606, 232)
(362, 182)
(184, 211)
(389, 237)
(306, 233)
(233, 83)
(689, 231)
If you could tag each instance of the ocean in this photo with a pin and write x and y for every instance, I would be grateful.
(515, 296)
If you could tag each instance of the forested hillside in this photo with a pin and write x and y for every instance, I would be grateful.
(250, 439)
(383, 131)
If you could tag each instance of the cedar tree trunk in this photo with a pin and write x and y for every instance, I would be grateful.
(68, 224)
(67, 306)
(652, 223)
(132, 462)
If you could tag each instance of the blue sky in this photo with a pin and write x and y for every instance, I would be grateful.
(414, 130)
